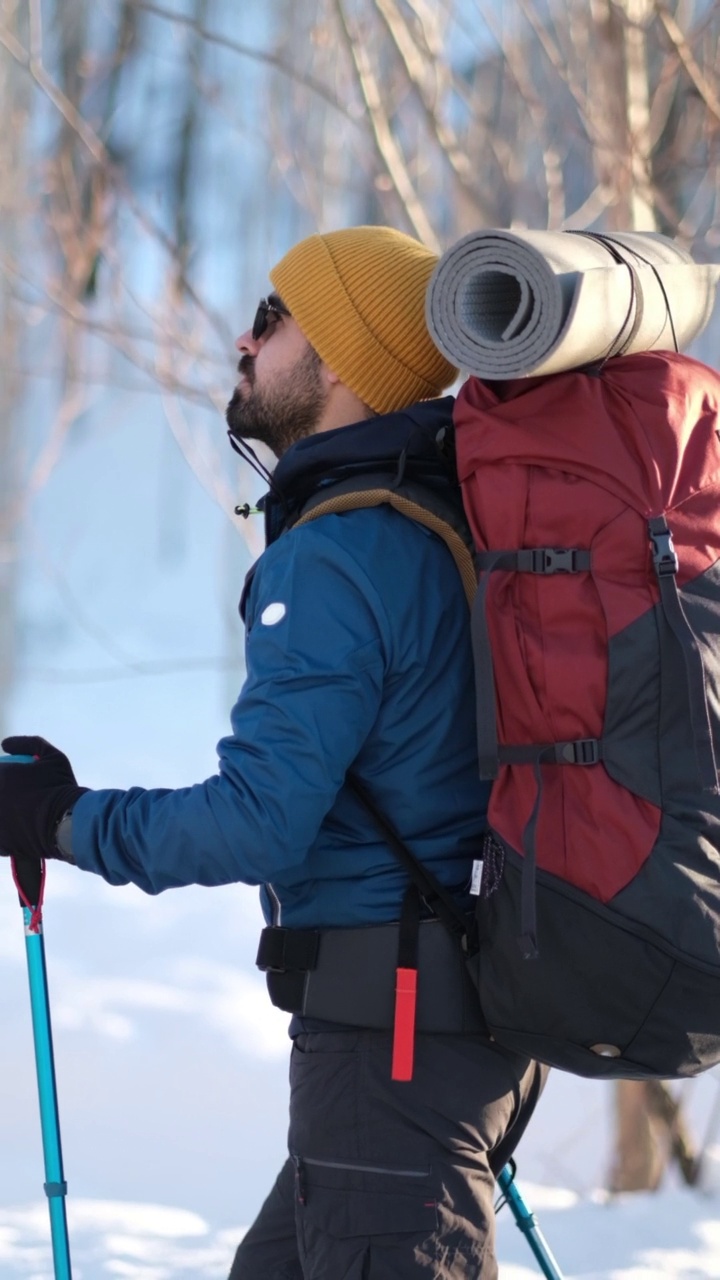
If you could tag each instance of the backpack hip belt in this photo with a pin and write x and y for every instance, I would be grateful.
(348, 976)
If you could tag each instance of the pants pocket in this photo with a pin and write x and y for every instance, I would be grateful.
(342, 1209)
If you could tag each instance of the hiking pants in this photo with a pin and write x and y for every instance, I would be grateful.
(388, 1180)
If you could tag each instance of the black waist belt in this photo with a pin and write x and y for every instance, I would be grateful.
(348, 976)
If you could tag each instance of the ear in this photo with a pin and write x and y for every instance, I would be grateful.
(332, 378)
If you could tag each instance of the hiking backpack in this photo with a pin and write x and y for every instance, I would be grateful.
(594, 503)
(593, 500)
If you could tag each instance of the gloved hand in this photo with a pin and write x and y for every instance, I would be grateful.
(33, 798)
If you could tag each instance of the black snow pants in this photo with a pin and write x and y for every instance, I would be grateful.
(387, 1180)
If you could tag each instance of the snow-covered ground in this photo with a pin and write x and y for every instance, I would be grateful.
(673, 1235)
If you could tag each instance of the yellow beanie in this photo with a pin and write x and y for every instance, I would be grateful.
(359, 298)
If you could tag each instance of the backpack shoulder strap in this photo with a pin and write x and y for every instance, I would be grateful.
(432, 891)
(416, 502)
(445, 519)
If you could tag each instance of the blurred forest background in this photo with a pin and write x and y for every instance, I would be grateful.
(155, 160)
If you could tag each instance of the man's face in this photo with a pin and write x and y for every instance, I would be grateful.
(281, 395)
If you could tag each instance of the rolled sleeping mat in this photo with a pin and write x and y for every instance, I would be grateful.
(516, 304)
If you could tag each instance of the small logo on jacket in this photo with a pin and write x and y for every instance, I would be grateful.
(273, 613)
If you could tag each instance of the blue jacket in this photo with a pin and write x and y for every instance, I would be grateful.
(358, 655)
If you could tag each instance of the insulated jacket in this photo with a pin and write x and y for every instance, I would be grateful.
(358, 656)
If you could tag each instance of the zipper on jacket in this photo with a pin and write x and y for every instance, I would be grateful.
(277, 908)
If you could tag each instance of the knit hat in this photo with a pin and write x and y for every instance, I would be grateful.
(359, 298)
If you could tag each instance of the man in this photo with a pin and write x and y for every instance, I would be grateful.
(359, 673)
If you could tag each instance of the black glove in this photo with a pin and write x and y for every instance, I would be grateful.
(33, 799)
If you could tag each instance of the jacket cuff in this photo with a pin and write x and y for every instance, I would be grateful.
(63, 837)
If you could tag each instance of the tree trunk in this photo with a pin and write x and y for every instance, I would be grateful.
(650, 1134)
(620, 127)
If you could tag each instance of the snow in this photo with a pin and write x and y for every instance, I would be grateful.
(648, 1236)
(669, 1235)
(143, 1241)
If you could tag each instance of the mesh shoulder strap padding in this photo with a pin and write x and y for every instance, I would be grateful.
(413, 501)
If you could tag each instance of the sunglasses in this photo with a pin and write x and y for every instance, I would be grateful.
(268, 309)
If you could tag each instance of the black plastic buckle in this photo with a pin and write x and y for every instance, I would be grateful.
(664, 555)
(554, 560)
(584, 751)
(287, 950)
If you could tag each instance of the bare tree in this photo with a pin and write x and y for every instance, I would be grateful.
(651, 1134)
(73, 224)
(463, 115)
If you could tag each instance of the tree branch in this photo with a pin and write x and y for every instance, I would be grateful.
(687, 58)
(416, 68)
(59, 100)
(246, 51)
(100, 155)
(387, 147)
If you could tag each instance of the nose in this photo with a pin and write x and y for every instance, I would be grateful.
(247, 344)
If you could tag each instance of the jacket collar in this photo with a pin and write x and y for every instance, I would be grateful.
(408, 442)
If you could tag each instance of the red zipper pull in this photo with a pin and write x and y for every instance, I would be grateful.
(404, 1028)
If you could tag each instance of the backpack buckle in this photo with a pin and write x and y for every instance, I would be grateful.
(583, 751)
(554, 560)
(664, 555)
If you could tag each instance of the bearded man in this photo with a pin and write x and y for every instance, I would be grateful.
(359, 683)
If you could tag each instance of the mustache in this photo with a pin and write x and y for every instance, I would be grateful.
(246, 367)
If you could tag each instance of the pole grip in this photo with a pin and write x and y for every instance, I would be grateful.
(28, 871)
(28, 878)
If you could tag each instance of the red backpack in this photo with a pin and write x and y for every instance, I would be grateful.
(593, 500)
(594, 504)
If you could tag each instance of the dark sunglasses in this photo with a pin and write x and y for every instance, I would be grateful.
(267, 310)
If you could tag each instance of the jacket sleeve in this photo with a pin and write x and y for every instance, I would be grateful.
(317, 652)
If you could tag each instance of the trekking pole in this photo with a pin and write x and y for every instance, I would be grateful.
(527, 1222)
(29, 877)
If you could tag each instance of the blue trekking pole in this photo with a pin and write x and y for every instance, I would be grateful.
(29, 880)
(527, 1222)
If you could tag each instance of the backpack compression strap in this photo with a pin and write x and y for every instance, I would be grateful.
(666, 565)
(588, 751)
(537, 560)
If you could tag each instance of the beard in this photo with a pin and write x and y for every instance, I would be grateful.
(282, 413)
